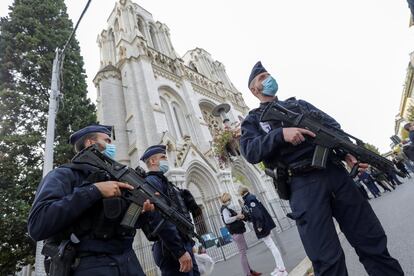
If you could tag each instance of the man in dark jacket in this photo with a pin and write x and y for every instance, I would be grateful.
(316, 195)
(263, 225)
(73, 203)
(172, 251)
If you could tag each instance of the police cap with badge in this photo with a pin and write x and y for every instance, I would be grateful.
(89, 129)
(153, 150)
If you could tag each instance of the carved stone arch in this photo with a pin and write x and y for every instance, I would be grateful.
(201, 180)
(251, 175)
(153, 36)
(141, 25)
(173, 94)
(177, 110)
(202, 176)
(112, 46)
(131, 11)
(117, 29)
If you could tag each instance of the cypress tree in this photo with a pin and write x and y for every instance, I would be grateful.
(29, 36)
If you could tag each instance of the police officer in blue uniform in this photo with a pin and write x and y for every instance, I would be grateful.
(316, 195)
(263, 225)
(77, 203)
(172, 251)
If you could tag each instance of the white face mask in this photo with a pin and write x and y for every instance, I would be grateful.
(227, 203)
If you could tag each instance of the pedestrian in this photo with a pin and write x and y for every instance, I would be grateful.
(172, 251)
(204, 262)
(235, 225)
(76, 208)
(316, 195)
(381, 179)
(376, 179)
(401, 167)
(392, 177)
(367, 179)
(361, 188)
(263, 225)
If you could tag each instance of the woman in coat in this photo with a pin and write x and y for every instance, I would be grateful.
(234, 223)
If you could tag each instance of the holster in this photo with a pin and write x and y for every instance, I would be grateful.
(281, 181)
(59, 258)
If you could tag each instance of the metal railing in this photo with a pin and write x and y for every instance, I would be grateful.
(218, 242)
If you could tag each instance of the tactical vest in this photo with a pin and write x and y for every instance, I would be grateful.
(236, 227)
(177, 200)
(279, 158)
(102, 220)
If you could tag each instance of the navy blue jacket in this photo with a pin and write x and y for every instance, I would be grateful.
(262, 142)
(411, 136)
(168, 234)
(61, 198)
(261, 219)
(366, 177)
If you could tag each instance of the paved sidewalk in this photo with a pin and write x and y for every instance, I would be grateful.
(395, 210)
(261, 259)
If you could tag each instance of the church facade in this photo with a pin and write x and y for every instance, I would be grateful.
(151, 95)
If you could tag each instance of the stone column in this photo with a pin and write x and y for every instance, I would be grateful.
(177, 177)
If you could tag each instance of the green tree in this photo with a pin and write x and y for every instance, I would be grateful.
(29, 36)
(371, 148)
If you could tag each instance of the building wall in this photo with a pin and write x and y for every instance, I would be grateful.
(153, 96)
(407, 100)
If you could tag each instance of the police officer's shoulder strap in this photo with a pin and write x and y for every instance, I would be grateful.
(254, 111)
(83, 168)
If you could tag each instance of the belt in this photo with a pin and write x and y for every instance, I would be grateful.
(88, 254)
(301, 167)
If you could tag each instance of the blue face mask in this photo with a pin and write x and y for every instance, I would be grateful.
(110, 150)
(164, 166)
(269, 86)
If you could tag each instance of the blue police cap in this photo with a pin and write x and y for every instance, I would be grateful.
(153, 150)
(257, 69)
(89, 129)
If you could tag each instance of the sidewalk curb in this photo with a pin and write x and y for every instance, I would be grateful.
(306, 264)
(301, 268)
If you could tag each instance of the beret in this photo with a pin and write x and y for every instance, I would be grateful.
(153, 150)
(256, 70)
(89, 129)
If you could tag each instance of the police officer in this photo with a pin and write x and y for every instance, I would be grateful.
(73, 203)
(263, 225)
(172, 251)
(316, 195)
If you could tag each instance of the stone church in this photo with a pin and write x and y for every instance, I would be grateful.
(152, 95)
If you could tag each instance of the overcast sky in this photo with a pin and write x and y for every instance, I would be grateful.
(349, 58)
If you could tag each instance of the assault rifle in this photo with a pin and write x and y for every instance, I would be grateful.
(141, 192)
(326, 139)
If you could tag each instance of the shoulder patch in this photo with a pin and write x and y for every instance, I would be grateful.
(265, 126)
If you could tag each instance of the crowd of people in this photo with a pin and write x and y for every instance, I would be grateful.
(372, 179)
(79, 209)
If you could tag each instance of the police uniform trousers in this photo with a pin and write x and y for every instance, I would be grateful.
(125, 264)
(319, 195)
(168, 264)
